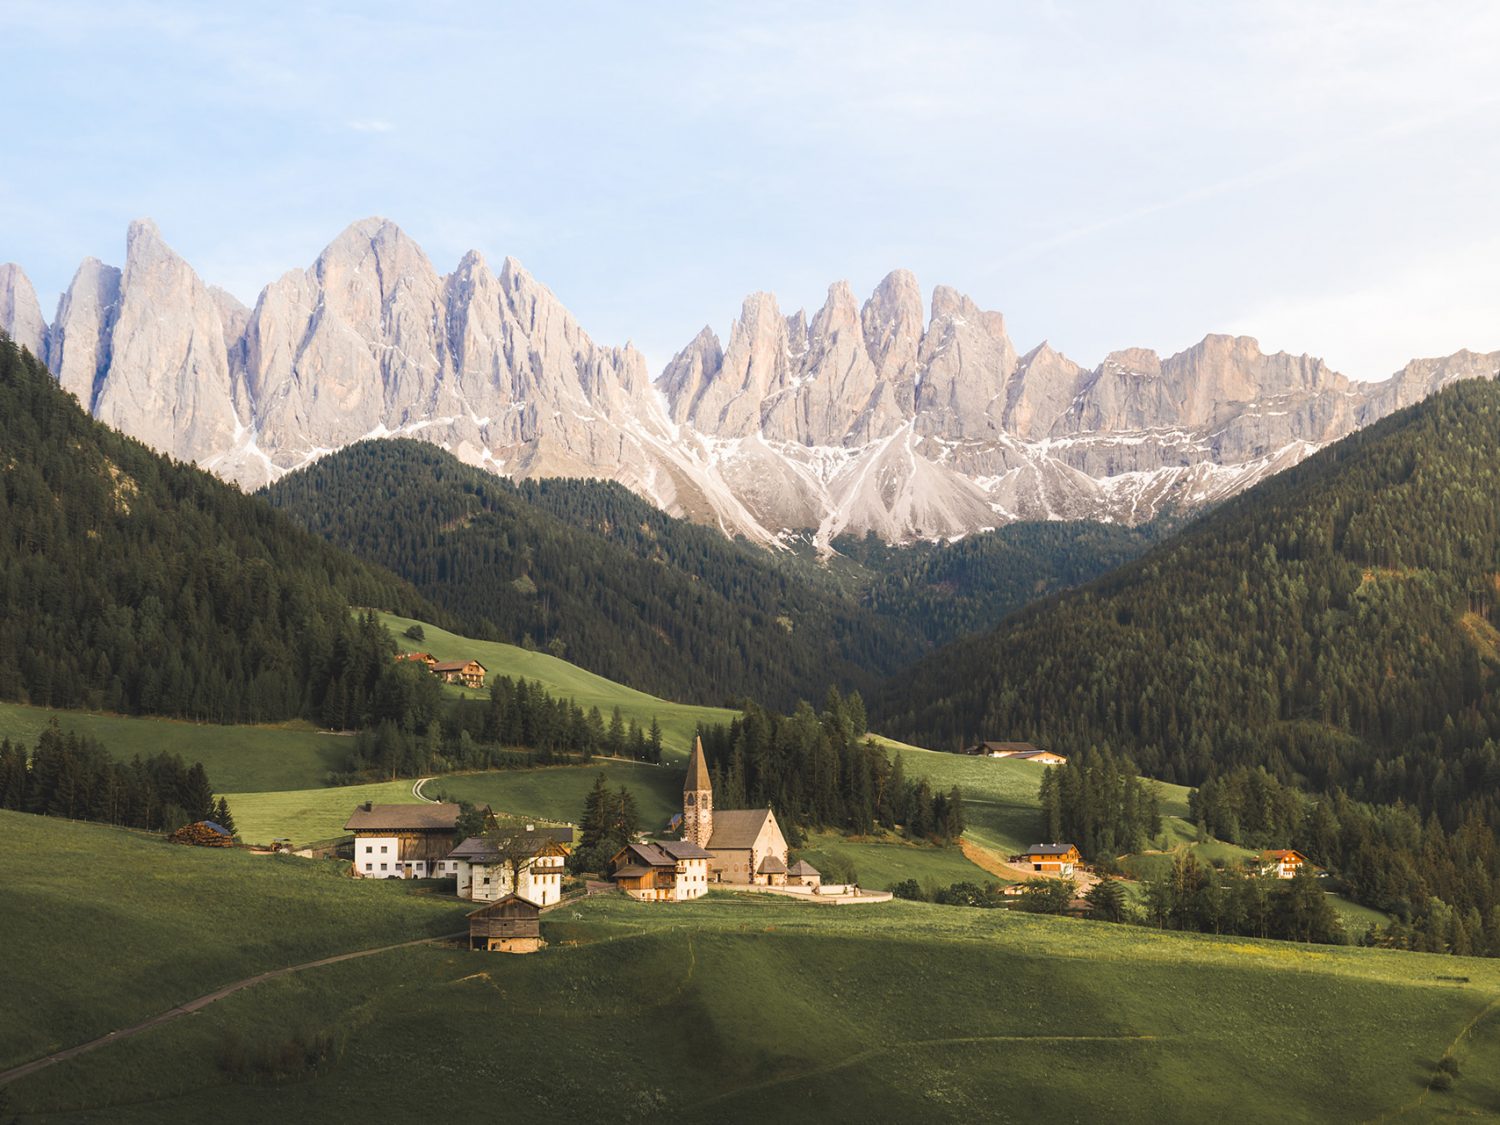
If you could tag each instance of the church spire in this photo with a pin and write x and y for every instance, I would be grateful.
(697, 774)
(698, 799)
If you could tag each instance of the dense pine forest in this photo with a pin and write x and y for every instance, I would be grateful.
(818, 770)
(132, 583)
(592, 573)
(597, 575)
(1335, 626)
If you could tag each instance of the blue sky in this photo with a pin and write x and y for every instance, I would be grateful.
(1321, 176)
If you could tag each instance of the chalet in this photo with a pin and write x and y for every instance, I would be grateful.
(804, 874)
(747, 845)
(1284, 863)
(426, 659)
(402, 841)
(1022, 751)
(1057, 860)
(511, 925)
(469, 673)
(483, 865)
(668, 871)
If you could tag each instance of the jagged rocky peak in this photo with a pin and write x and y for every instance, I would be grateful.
(159, 366)
(78, 347)
(965, 361)
(20, 312)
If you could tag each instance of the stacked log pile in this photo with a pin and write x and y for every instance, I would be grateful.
(202, 834)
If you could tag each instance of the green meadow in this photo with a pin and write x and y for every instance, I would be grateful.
(733, 1008)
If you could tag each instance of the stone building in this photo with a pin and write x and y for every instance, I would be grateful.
(745, 845)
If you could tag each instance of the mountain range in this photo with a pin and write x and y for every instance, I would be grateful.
(898, 417)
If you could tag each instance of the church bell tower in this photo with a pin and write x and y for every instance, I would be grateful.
(698, 800)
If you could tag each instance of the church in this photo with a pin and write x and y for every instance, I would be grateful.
(744, 845)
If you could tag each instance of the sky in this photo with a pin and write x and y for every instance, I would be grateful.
(1319, 176)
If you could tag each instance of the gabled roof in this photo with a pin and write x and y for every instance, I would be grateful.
(404, 818)
(802, 869)
(1283, 853)
(507, 905)
(697, 773)
(1050, 849)
(684, 849)
(737, 828)
(455, 665)
(477, 849)
(633, 871)
(771, 865)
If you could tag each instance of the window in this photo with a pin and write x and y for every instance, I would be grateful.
(382, 867)
(382, 849)
(368, 849)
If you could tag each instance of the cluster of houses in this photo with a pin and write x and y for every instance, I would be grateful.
(467, 673)
(519, 871)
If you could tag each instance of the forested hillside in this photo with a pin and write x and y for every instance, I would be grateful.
(1336, 624)
(130, 582)
(663, 605)
(944, 591)
(592, 572)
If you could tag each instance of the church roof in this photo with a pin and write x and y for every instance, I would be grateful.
(737, 828)
(697, 774)
(802, 868)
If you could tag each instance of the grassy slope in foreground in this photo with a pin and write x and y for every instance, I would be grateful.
(745, 1009)
(102, 927)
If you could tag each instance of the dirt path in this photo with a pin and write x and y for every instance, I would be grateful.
(416, 791)
(199, 1004)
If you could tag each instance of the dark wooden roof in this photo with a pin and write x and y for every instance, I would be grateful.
(802, 869)
(479, 849)
(1002, 748)
(1050, 849)
(455, 665)
(511, 906)
(404, 818)
(684, 849)
(772, 865)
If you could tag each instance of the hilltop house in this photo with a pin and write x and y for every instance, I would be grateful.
(426, 659)
(669, 871)
(469, 673)
(511, 925)
(1284, 863)
(1023, 751)
(483, 869)
(1056, 860)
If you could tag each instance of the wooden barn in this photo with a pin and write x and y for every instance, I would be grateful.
(1057, 860)
(511, 925)
(470, 673)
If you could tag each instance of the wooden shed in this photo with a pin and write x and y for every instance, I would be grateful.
(511, 925)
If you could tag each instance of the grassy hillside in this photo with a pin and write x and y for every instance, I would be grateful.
(732, 1009)
(102, 927)
(561, 678)
(237, 758)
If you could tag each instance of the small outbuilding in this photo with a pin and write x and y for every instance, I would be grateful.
(512, 925)
(804, 874)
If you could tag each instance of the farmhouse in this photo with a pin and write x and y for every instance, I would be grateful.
(669, 871)
(1284, 864)
(512, 925)
(1057, 860)
(1023, 751)
(424, 658)
(469, 673)
(402, 841)
(484, 865)
(746, 845)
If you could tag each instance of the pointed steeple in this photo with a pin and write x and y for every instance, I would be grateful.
(698, 800)
(697, 774)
